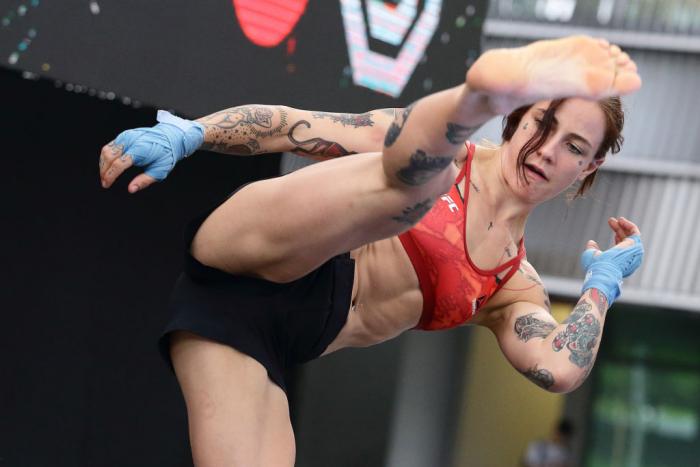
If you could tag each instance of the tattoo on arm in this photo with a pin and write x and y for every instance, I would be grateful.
(422, 168)
(318, 147)
(239, 130)
(600, 301)
(394, 130)
(547, 303)
(580, 336)
(353, 120)
(527, 326)
(457, 134)
(541, 377)
(413, 214)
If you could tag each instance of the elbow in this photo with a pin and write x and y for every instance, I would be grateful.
(568, 381)
(558, 382)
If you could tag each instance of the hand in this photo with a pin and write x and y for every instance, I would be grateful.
(606, 269)
(157, 149)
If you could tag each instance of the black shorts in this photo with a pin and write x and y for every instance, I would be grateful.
(279, 325)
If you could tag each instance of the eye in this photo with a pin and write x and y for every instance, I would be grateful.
(538, 121)
(574, 149)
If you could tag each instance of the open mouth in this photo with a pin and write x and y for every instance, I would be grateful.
(536, 171)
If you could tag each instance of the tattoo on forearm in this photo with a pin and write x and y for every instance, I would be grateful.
(580, 336)
(319, 147)
(413, 214)
(457, 134)
(239, 130)
(600, 301)
(527, 326)
(422, 168)
(353, 120)
(541, 377)
(394, 130)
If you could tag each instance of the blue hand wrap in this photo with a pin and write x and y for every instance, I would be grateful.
(606, 270)
(161, 147)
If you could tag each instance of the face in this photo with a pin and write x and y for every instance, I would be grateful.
(566, 156)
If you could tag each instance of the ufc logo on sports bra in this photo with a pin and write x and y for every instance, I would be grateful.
(450, 203)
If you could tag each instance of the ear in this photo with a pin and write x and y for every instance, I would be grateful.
(592, 167)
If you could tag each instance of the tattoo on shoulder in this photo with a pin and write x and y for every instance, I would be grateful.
(316, 147)
(527, 327)
(394, 130)
(353, 120)
(422, 167)
(413, 214)
(580, 336)
(457, 134)
(541, 377)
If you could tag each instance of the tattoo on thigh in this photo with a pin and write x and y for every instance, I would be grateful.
(457, 134)
(526, 327)
(541, 377)
(317, 147)
(580, 336)
(422, 168)
(394, 130)
(413, 214)
(353, 120)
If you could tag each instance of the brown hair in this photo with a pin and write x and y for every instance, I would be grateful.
(612, 140)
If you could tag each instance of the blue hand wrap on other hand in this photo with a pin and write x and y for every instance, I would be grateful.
(606, 270)
(161, 147)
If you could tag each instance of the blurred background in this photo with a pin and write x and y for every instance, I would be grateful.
(88, 272)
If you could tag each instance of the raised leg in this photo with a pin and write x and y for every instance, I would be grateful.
(237, 416)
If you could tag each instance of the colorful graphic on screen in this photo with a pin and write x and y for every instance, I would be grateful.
(267, 22)
(394, 24)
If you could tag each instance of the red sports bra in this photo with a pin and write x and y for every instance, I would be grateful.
(453, 287)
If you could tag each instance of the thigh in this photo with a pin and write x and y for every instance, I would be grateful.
(236, 415)
(282, 228)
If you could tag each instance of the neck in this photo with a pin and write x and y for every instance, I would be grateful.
(509, 208)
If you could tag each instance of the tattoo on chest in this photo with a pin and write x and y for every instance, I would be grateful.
(541, 377)
(580, 336)
(413, 214)
(353, 120)
(318, 147)
(422, 167)
(527, 326)
(394, 130)
(473, 185)
(457, 134)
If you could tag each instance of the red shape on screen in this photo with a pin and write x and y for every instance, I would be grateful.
(267, 22)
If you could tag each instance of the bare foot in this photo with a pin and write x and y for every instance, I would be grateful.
(577, 66)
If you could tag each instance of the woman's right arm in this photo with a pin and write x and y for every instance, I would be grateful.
(259, 129)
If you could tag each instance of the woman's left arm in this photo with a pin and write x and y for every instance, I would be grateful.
(559, 357)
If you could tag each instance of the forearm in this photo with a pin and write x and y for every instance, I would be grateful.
(246, 130)
(258, 129)
(569, 351)
(425, 137)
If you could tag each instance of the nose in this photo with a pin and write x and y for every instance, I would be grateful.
(547, 151)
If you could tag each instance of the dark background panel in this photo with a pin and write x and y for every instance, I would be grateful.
(86, 277)
(193, 56)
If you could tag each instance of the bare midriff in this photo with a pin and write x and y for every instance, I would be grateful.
(386, 297)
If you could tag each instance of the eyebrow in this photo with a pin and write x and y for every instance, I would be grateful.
(571, 135)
